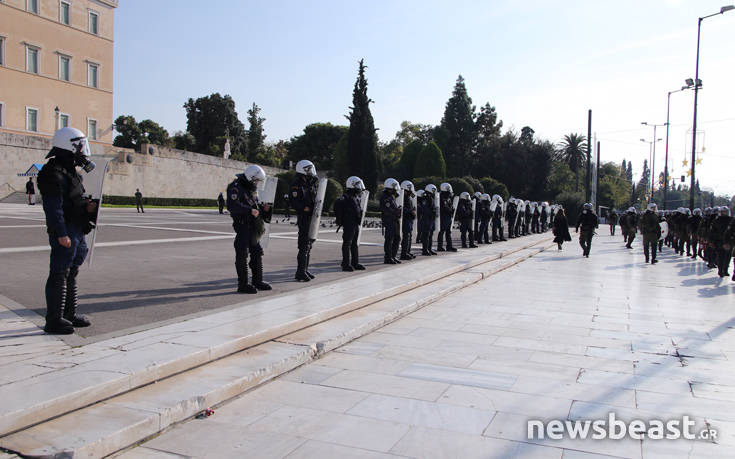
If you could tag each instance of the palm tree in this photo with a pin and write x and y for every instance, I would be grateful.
(571, 151)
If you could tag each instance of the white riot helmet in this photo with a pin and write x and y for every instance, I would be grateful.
(306, 167)
(485, 197)
(392, 184)
(74, 141)
(724, 210)
(651, 206)
(500, 199)
(588, 206)
(254, 174)
(631, 209)
(420, 193)
(687, 211)
(464, 195)
(430, 188)
(446, 187)
(477, 195)
(496, 197)
(354, 183)
(407, 185)
(697, 211)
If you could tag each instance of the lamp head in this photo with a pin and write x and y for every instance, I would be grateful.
(689, 82)
(727, 8)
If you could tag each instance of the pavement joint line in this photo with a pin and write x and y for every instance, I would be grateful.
(228, 348)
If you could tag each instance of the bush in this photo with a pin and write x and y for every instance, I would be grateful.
(334, 191)
(407, 163)
(493, 186)
(421, 182)
(430, 162)
(475, 183)
(459, 185)
(572, 203)
(284, 183)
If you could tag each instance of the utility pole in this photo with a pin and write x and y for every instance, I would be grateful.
(589, 157)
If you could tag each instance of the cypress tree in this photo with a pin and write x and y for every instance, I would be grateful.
(362, 142)
(459, 121)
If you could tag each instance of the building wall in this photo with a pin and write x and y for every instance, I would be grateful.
(45, 91)
(157, 171)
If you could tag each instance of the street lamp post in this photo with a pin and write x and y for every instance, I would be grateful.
(697, 84)
(666, 159)
(653, 155)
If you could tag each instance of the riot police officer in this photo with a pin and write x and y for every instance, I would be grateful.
(497, 218)
(510, 216)
(651, 232)
(721, 245)
(427, 216)
(485, 215)
(348, 210)
(446, 212)
(390, 215)
(70, 215)
(589, 222)
(477, 197)
(420, 198)
(693, 229)
(629, 222)
(248, 220)
(464, 216)
(409, 215)
(303, 199)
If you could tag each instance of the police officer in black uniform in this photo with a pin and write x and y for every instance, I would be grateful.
(498, 219)
(303, 199)
(446, 212)
(248, 219)
(70, 215)
(427, 219)
(409, 215)
(485, 214)
(464, 216)
(589, 222)
(390, 214)
(348, 210)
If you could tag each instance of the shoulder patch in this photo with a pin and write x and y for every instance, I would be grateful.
(295, 194)
(233, 195)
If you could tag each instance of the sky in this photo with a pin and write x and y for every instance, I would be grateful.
(542, 64)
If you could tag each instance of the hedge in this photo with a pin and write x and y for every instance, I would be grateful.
(165, 202)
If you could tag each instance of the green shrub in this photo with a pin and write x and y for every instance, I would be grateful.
(166, 202)
(493, 186)
(430, 162)
(475, 183)
(459, 185)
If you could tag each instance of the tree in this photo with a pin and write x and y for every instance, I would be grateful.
(183, 141)
(212, 120)
(459, 121)
(573, 152)
(362, 142)
(128, 132)
(430, 162)
(318, 144)
(152, 132)
(629, 172)
(493, 186)
(256, 137)
(410, 132)
(407, 163)
(487, 125)
(527, 135)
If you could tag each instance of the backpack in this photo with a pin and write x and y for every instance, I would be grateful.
(339, 210)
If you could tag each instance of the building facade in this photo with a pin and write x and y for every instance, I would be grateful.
(56, 66)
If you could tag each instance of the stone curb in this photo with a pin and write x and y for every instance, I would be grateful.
(110, 380)
(117, 423)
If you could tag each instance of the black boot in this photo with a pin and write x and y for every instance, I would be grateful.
(55, 297)
(70, 308)
(308, 260)
(256, 264)
(301, 267)
(346, 266)
(388, 260)
(355, 252)
(243, 284)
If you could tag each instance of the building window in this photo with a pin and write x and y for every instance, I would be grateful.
(31, 119)
(31, 59)
(63, 120)
(92, 129)
(2, 114)
(2, 51)
(64, 68)
(65, 12)
(92, 73)
(94, 22)
(32, 6)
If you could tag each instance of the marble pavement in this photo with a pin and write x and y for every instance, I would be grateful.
(557, 336)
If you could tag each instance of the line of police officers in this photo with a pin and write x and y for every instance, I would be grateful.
(71, 214)
(709, 235)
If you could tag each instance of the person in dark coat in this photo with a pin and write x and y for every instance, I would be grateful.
(221, 203)
(612, 219)
(390, 215)
(561, 228)
(348, 212)
(588, 221)
(30, 191)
